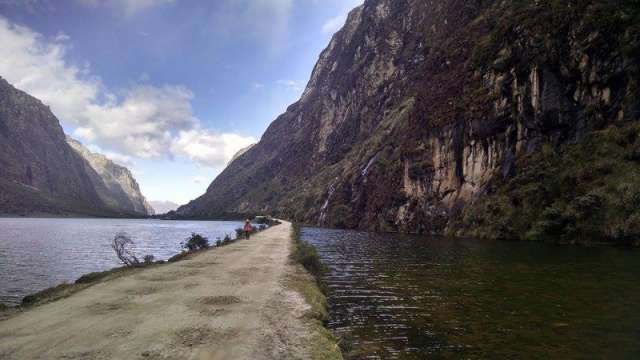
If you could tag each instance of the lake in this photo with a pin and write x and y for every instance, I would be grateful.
(39, 253)
(411, 297)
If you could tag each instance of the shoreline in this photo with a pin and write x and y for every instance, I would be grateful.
(241, 300)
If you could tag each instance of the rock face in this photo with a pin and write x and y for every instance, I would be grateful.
(240, 152)
(115, 184)
(417, 107)
(40, 173)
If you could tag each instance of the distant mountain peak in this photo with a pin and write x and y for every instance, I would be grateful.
(163, 207)
(116, 185)
(43, 172)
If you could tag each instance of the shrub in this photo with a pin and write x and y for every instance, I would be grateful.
(45, 294)
(218, 242)
(148, 259)
(307, 255)
(196, 242)
(239, 233)
(262, 227)
(123, 247)
(178, 257)
(227, 239)
(92, 277)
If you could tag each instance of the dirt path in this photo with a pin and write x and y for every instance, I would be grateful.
(229, 303)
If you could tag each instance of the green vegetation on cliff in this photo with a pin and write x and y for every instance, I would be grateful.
(584, 192)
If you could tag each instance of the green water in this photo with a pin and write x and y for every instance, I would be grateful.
(406, 297)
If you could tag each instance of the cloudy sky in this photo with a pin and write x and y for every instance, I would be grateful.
(170, 88)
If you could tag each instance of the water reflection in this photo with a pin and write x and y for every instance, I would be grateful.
(408, 297)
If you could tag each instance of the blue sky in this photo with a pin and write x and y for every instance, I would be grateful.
(170, 88)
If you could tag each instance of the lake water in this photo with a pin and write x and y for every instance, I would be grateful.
(410, 297)
(39, 253)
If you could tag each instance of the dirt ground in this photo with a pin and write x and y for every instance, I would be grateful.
(228, 303)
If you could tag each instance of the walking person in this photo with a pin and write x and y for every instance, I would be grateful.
(248, 228)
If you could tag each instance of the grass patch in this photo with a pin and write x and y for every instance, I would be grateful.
(64, 290)
(579, 193)
(306, 255)
(309, 284)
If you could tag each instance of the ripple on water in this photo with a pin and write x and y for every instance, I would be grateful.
(409, 297)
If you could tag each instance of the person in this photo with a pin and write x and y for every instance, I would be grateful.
(248, 228)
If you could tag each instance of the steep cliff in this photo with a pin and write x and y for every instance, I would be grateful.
(40, 174)
(417, 111)
(115, 184)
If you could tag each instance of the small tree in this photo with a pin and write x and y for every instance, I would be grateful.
(123, 246)
(196, 242)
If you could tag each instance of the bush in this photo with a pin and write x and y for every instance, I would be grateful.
(262, 227)
(123, 246)
(307, 255)
(239, 233)
(196, 242)
(178, 257)
(92, 277)
(148, 259)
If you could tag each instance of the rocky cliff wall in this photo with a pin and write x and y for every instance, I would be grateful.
(416, 108)
(115, 184)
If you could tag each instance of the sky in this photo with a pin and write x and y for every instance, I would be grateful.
(172, 89)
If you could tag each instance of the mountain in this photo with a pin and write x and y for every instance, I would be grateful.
(115, 184)
(163, 207)
(41, 173)
(455, 117)
(240, 152)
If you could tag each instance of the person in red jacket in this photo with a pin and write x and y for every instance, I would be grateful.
(248, 228)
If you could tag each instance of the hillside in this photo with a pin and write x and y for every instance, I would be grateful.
(418, 117)
(41, 173)
(115, 184)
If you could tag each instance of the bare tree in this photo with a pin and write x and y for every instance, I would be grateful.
(123, 246)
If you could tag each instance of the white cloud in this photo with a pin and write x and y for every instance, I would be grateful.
(142, 121)
(209, 148)
(127, 7)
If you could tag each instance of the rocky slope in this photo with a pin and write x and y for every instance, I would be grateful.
(418, 111)
(41, 174)
(115, 184)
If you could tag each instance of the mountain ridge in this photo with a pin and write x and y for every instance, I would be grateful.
(416, 110)
(41, 173)
(115, 185)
